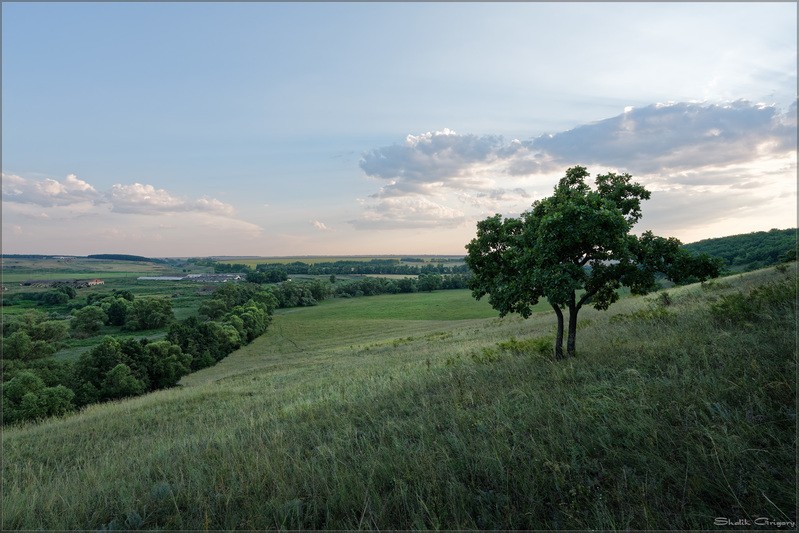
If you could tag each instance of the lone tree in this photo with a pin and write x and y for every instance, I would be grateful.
(575, 248)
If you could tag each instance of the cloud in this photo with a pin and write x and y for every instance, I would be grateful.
(321, 226)
(674, 137)
(445, 158)
(146, 199)
(138, 198)
(432, 176)
(47, 192)
(408, 212)
(686, 149)
(75, 193)
(135, 214)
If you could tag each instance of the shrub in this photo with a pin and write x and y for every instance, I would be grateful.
(121, 383)
(25, 397)
(55, 297)
(149, 313)
(760, 303)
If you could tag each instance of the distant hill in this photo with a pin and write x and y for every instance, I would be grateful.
(750, 251)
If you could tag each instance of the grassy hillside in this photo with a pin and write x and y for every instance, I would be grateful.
(677, 410)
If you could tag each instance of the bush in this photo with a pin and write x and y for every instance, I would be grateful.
(88, 321)
(55, 297)
(761, 303)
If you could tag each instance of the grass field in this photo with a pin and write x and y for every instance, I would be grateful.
(406, 412)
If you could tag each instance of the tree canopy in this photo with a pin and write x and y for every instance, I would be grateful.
(575, 248)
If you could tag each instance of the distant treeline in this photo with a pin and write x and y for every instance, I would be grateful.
(123, 257)
(750, 251)
(309, 293)
(373, 266)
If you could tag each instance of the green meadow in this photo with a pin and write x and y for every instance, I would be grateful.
(427, 411)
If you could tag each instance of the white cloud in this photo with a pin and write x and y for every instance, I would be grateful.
(138, 198)
(407, 212)
(78, 194)
(134, 215)
(47, 192)
(321, 226)
(146, 199)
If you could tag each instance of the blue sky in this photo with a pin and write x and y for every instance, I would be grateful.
(372, 128)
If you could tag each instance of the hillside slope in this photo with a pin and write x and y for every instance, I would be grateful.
(750, 251)
(678, 409)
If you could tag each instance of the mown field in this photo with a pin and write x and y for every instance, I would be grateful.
(426, 411)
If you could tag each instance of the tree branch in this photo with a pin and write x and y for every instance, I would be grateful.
(587, 296)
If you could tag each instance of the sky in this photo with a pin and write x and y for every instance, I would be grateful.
(285, 129)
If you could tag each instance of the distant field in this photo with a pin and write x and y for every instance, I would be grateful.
(312, 260)
(17, 270)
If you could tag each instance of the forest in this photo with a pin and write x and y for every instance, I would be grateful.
(750, 251)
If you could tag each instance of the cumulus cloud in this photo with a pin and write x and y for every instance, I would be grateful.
(47, 192)
(446, 159)
(674, 137)
(431, 177)
(657, 138)
(146, 199)
(138, 198)
(684, 149)
(56, 210)
(76, 194)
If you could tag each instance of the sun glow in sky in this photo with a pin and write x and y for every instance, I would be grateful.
(264, 129)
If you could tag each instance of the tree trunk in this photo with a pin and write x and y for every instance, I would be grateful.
(572, 340)
(559, 335)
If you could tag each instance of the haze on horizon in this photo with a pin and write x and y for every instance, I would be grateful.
(280, 129)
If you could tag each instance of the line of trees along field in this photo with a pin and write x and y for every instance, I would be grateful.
(371, 267)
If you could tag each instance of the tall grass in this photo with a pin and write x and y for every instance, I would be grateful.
(670, 417)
